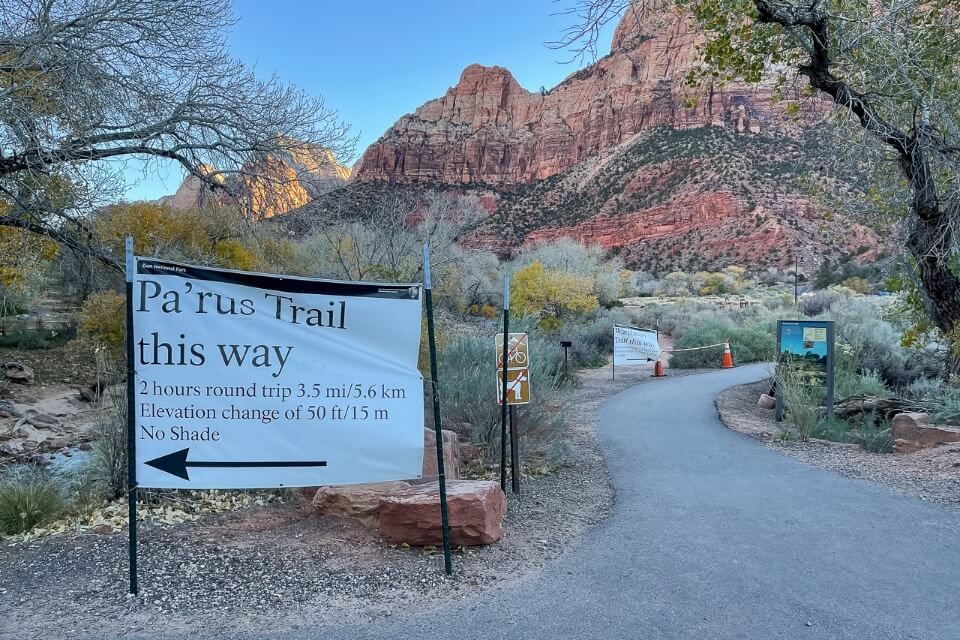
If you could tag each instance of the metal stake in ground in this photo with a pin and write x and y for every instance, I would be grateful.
(503, 406)
(131, 422)
(441, 473)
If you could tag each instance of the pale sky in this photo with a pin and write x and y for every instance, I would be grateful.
(376, 60)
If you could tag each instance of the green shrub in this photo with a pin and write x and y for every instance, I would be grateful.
(591, 338)
(468, 392)
(817, 302)
(948, 410)
(83, 487)
(833, 429)
(943, 400)
(103, 317)
(801, 401)
(866, 341)
(110, 449)
(10, 305)
(857, 284)
(870, 432)
(26, 501)
(924, 389)
(875, 437)
(31, 339)
(849, 383)
(748, 343)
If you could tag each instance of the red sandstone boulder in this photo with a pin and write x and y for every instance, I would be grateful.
(359, 502)
(913, 432)
(451, 455)
(476, 509)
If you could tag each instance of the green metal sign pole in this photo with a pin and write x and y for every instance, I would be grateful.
(503, 388)
(131, 422)
(435, 384)
(514, 452)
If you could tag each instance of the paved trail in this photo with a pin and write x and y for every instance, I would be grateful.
(714, 536)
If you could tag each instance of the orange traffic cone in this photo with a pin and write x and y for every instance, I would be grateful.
(727, 356)
(658, 369)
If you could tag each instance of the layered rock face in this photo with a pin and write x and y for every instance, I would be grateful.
(626, 154)
(193, 192)
(489, 129)
(268, 187)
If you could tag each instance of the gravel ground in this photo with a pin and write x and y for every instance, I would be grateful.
(282, 566)
(931, 474)
(73, 363)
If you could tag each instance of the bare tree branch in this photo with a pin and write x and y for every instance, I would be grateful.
(88, 83)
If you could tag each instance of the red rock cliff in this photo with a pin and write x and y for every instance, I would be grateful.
(489, 129)
(623, 155)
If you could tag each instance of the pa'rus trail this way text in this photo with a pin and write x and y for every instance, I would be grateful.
(157, 350)
(154, 351)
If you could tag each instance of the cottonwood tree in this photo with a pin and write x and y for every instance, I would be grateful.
(568, 255)
(88, 84)
(386, 244)
(890, 67)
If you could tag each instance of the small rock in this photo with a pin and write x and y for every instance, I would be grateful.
(18, 372)
(767, 402)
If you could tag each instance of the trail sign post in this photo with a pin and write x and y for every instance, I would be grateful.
(246, 380)
(502, 366)
(565, 344)
(513, 382)
(517, 368)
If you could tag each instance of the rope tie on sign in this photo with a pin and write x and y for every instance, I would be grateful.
(709, 346)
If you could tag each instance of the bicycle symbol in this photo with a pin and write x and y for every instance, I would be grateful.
(518, 358)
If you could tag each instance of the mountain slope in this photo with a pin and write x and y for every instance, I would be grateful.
(626, 154)
(686, 199)
(488, 129)
(268, 187)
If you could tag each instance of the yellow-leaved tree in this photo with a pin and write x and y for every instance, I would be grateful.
(24, 257)
(103, 317)
(214, 235)
(158, 230)
(550, 294)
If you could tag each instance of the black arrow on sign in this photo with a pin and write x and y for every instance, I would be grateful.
(176, 463)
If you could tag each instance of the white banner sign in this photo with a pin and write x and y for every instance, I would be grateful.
(633, 346)
(248, 380)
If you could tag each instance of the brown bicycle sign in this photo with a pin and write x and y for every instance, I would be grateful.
(518, 368)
